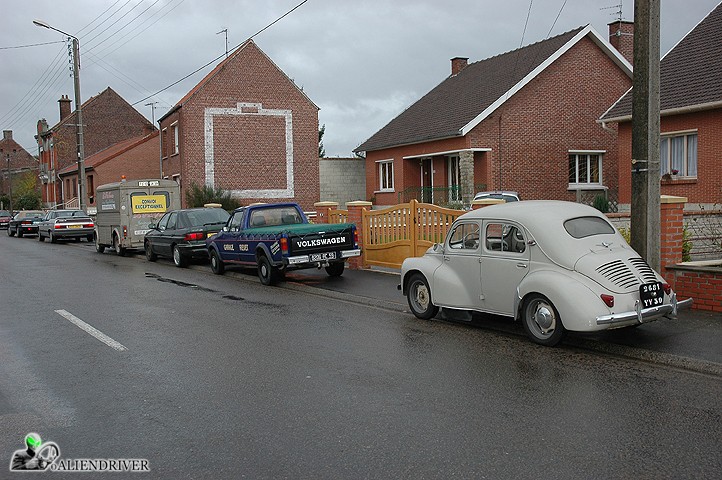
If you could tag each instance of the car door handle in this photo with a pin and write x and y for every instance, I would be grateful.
(521, 265)
(446, 259)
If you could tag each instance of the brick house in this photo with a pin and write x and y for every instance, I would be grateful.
(524, 120)
(108, 119)
(15, 162)
(246, 128)
(134, 159)
(691, 118)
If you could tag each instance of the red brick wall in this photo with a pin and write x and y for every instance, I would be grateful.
(250, 151)
(108, 119)
(553, 114)
(704, 287)
(707, 188)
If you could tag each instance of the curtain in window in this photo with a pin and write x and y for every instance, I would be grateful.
(692, 155)
(593, 168)
(678, 154)
(664, 156)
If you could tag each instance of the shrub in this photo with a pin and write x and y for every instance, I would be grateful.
(601, 203)
(197, 196)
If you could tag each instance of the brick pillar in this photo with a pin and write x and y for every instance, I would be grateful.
(323, 209)
(355, 216)
(466, 165)
(671, 230)
(485, 202)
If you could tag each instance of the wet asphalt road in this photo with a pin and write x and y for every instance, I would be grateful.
(225, 378)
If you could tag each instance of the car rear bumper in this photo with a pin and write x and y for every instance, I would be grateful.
(194, 251)
(71, 232)
(646, 315)
(308, 259)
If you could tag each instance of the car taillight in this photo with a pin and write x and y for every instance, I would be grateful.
(27, 223)
(355, 238)
(125, 232)
(284, 245)
(608, 299)
(194, 236)
(59, 225)
(88, 225)
(667, 288)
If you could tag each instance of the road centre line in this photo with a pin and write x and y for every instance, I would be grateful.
(91, 330)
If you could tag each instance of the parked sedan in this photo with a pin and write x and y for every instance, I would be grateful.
(5, 218)
(60, 224)
(556, 266)
(25, 223)
(181, 234)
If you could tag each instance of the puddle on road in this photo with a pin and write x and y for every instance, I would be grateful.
(193, 286)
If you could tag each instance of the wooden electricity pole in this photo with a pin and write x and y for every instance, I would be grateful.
(645, 220)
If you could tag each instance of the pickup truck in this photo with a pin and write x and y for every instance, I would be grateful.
(278, 237)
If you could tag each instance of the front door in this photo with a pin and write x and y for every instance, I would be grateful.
(504, 263)
(427, 181)
(456, 281)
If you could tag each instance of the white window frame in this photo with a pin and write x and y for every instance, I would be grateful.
(665, 164)
(386, 184)
(587, 156)
(174, 129)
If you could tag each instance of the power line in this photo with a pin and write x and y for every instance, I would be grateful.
(101, 23)
(221, 56)
(93, 20)
(556, 19)
(124, 26)
(32, 45)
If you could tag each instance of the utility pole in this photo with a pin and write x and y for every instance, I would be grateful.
(160, 139)
(10, 179)
(645, 214)
(78, 109)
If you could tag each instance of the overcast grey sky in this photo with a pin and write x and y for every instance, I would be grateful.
(361, 61)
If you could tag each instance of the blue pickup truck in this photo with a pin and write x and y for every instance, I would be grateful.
(278, 237)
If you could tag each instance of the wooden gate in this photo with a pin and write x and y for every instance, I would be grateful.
(406, 230)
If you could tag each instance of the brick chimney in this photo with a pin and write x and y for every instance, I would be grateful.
(64, 106)
(7, 134)
(621, 36)
(458, 64)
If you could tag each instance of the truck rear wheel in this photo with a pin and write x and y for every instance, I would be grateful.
(120, 251)
(266, 272)
(335, 269)
(98, 247)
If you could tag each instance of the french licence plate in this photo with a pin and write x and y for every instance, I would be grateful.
(319, 257)
(651, 294)
(74, 226)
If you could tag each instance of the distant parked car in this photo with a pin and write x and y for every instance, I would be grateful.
(57, 224)
(25, 223)
(507, 196)
(5, 217)
(556, 266)
(181, 234)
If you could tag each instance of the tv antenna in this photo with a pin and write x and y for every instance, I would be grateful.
(225, 30)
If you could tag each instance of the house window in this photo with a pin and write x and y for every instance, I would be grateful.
(163, 141)
(91, 189)
(174, 131)
(585, 169)
(75, 188)
(678, 154)
(454, 176)
(386, 175)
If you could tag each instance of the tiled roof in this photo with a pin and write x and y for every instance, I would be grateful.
(109, 153)
(459, 99)
(690, 73)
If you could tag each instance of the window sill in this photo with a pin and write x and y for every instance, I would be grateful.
(586, 186)
(679, 181)
(385, 191)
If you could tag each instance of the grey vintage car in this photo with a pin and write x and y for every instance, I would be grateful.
(556, 266)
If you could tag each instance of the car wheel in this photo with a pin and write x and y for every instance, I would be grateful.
(217, 265)
(266, 273)
(52, 238)
(541, 321)
(418, 294)
(98, 247)
(10, 233)
(20, 234)
(40, 237)
(178, 258)
(89, 238)
(335, 269)
(120, 251)
(149, 255)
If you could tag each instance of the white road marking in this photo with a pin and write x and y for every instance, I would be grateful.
(91, 330)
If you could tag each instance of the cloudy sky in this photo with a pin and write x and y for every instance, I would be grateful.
(361, 61)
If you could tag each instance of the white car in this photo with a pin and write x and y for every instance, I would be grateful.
(556, 266)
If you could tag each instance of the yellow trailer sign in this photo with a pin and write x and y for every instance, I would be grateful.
(149, 203)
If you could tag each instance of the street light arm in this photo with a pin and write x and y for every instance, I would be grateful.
(40, 23)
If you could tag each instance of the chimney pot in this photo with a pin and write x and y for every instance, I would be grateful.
(7, 134)
(621, 36)
(64, 106)
(458, 64)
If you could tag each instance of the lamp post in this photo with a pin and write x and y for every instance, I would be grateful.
(79, 110)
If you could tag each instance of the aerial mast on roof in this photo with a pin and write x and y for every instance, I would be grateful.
(225, 30)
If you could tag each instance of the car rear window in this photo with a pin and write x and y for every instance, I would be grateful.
(207, 217)
(587, 226)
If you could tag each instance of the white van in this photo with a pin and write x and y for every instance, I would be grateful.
(127, 208)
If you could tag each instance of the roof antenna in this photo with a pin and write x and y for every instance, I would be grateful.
(225, 30)
(618, 14)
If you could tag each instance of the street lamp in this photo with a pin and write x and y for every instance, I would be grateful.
(78, 108)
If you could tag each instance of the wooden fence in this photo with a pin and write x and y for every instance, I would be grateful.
(337, 216)
(402, 231)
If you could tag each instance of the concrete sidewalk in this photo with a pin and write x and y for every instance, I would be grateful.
(693, 341)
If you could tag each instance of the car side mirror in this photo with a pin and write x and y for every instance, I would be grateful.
(152, 226)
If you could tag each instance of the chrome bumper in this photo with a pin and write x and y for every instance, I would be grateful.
(640, 315)
(300, 259)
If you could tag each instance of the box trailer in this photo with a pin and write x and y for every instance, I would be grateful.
(127, 208)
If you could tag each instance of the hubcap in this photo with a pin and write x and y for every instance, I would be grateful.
(422, 296)
(544, 318)
(176, 255)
